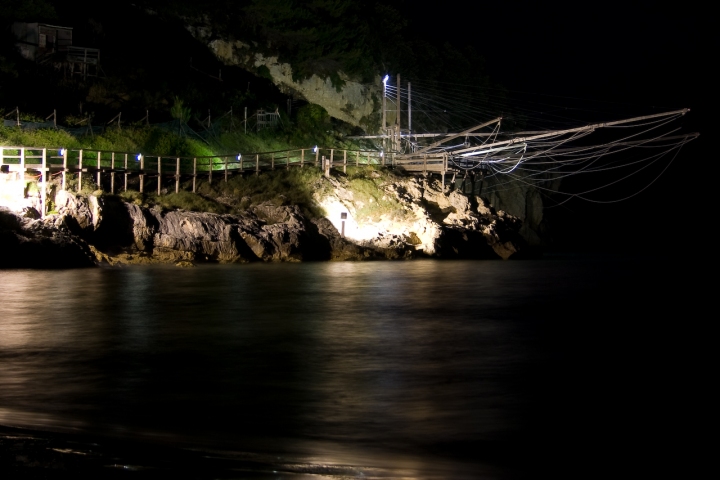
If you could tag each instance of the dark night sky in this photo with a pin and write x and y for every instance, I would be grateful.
(640, 56)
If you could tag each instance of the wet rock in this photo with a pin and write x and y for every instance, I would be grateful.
(30, 243)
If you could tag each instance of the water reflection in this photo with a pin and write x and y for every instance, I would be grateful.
(409, 365)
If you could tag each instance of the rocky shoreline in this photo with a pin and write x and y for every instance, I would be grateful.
(90, 230)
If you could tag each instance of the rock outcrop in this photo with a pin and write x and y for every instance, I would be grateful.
(125, 233)
(28, 242)
(392, 218)
(428, 220)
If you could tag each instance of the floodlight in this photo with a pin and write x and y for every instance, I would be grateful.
(315, 149)
(138, 157)
(386, 79)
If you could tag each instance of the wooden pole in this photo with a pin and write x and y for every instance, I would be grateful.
(357, 159)
(98, 170)
(384, 108)
(210, 169)
(245, 120)
(22, 166)
(159, 175)
(409, 110)
(332, 154)
(344, 161)
(64, 173)
(79, 185)
(177, 175)
(257, 164)
(142, 173)
(125, 167)
(112, 173)
(302, 157)
(226, 169)
(272, 161)
(317, 157)
(43, 188)
(397, 119)
(194, 173)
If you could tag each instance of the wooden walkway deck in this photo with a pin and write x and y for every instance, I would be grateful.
(113, 169)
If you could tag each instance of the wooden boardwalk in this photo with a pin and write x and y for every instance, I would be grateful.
(113, 169)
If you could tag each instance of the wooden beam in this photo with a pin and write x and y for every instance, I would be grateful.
(594, 126)
(461, 134)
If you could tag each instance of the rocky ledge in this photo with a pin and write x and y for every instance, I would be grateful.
(90, 230)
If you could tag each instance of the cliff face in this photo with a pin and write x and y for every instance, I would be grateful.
(354, 103)
(400, 218)
(522, 199)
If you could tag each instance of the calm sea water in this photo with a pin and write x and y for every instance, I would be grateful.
(421, 369)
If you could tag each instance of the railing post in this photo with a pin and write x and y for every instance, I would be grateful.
(159, 175)
(302, 157)
(177, 175)
(332, 154)
(357, 158)
(287, 160)
(272, 161)
(98, 171)
(257, 164)
(210, 169)
(112, 173)
(43, 190)
(64, 173)
(125, 166)
(22, 166)
(79, 185)
(317, 157)
(344, 161)
(226, 169)
(194, 173)
(142, 173)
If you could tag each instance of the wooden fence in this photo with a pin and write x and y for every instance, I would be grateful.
(112, 169)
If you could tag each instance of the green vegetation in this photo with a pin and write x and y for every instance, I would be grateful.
(371, 201)
(242, 192)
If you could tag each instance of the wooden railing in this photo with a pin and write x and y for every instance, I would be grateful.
(112, 169)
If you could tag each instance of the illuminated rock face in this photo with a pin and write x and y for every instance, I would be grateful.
(353, 103)
(429, 219)
(402, 218)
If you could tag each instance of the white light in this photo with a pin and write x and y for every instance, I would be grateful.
(61, 152)
(138, 157)
(315, 149)
(239, 157)
(381, 153)
(386, 79)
